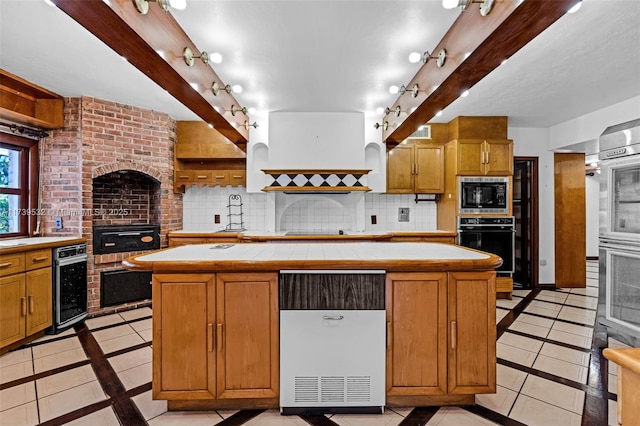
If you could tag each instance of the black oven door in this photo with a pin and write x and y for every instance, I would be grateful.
(71, 290)
(496, 241)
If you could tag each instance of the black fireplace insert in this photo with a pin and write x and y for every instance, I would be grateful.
(121, 238)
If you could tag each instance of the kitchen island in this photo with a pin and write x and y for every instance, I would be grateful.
(216, 319)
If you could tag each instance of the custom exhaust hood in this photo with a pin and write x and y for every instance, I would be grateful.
(316, 152)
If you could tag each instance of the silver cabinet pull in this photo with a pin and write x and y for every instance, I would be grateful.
(332, 317)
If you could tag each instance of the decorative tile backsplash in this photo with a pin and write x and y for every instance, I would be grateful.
(202, 204)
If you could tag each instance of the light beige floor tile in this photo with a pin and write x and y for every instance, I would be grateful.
(508, 304)
(554, 393)
(147, 335)
(570, 310)
(389, 418)
(534, 330)
(582, 301)
(521, 293)
(580, 319)
(455, 416)
(136, 376)
(613, 384)
(501, 313)
(15, 357)
(552, 296)
(58, 360)
(121, 342)
(186, 418)
(517, 355)
(145, 324)
(16, 371)
(522, 342)
(567, 354)
(541, 311)
(533, 412)
(136, 313)
(22, 415)
(569, 338)
(104, 417)
(561, 368)
(403, 411)
(510, 377)
(532, 319)
(613, 413)
(65, 380)
(103, 321)
(69, 400)
(131, 359)
(587, 291)
(17, 395)
(225, 414)
(112, 332)
(148, 407)
(58, 346)
(47, 337)
(545, 305)
(573, 329)
(500, 402)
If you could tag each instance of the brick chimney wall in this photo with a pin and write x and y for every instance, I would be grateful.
(102, 137)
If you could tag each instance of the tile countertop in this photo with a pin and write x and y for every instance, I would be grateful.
(21, 244)
(263, 233)
(347, 255)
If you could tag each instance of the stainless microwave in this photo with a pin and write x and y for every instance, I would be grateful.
(483, 195)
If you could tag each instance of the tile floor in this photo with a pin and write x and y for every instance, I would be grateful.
(99, 373)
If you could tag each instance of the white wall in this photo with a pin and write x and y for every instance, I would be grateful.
(592, 204)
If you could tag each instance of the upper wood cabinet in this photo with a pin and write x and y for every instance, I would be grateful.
(203, 156)
(415, 168)
(479, 157)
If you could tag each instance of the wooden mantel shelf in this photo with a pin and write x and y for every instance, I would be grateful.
(25, 103)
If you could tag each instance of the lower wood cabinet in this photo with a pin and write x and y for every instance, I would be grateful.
(25, 296)
(441, 335)
(215, 336)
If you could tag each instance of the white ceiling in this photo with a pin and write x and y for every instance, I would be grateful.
(339, 55)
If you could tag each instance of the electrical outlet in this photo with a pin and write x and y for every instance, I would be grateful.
(543, 262)
(57, 223)
(374, 219)
(403, 214)
(216, 218)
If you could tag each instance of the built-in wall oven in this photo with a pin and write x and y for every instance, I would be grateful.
(495, 234)
(69, 287)
(485, 195)
(619, 254)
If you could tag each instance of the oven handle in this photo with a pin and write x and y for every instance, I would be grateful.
(71, 260)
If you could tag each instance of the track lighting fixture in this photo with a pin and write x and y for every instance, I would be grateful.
(143, 5)
(247, 125)
(384, 125)
(485, 5)
(189, 57)
(234, 110)
(440, 59)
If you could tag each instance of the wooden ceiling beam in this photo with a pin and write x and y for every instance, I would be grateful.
(139, 38)
(487, 40)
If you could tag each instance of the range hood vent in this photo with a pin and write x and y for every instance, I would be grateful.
(319, 181)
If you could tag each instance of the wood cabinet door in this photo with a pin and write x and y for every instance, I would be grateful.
(429, 162)
(416, 305)
(499, 157)
(472, 332)
(470, 157)
(13, 308)
(184, 336)
(400, 170)
(247, 335)
(39, 300)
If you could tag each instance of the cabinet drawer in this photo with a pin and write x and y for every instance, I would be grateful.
(37, 259)
(220, 177)
(201, 177)
(237, 177)
(12, 264)
(182, 176)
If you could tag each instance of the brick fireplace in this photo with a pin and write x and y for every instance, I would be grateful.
(112, 164)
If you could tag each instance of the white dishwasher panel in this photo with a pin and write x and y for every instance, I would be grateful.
(332, 359)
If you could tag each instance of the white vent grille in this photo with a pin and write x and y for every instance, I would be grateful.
(359, 389)
(333, 389)
(306, 389)
(424, 132)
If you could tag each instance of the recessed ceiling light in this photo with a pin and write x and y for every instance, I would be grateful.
(251, 110)
(236, 88)
(438, 114)
(415, 57)
(464, 94)
(575, 7)
(393, 89)
(215, 57)
(379, 110)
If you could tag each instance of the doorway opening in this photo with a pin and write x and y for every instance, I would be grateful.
(525, 211)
